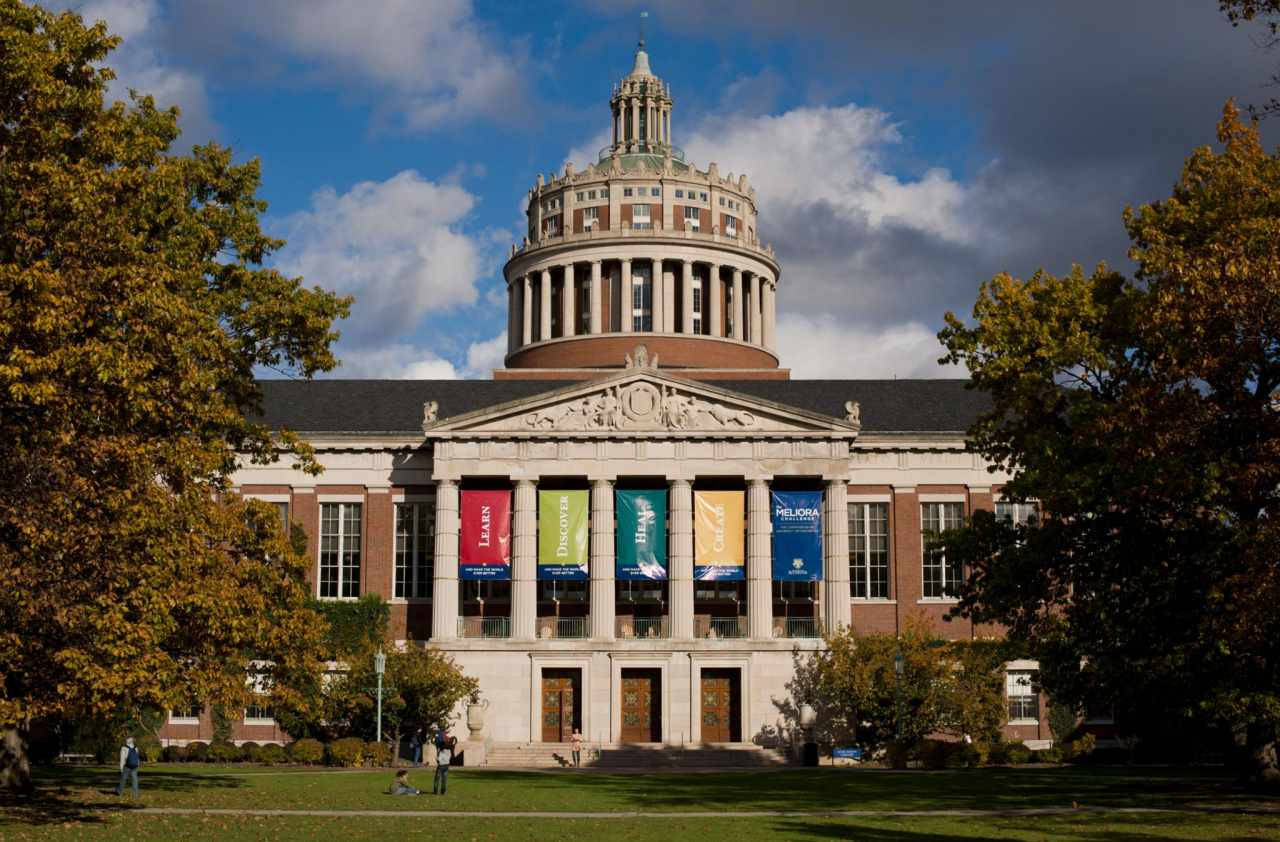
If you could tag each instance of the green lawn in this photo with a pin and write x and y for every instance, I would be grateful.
(77, 803)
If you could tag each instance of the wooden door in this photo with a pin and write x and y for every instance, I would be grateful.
(641, 706)
(557, 706)
(720, 706)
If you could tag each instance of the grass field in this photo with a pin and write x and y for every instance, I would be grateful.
(79, 803)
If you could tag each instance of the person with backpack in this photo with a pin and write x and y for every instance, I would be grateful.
(129, 763)
(444, 756)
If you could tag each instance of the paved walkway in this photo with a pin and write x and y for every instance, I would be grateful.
(708, 814)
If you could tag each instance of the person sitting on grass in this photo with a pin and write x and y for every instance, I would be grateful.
(400, 786)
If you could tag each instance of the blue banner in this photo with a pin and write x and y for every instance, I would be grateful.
(797, 535)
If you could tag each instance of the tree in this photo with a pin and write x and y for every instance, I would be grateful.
(134, 310)
(1268, 11)
(1143, 414)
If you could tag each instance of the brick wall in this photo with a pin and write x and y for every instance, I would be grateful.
(597, 350)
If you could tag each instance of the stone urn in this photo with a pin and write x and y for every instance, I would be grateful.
(475, 717)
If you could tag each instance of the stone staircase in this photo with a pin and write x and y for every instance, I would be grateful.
(635, 756)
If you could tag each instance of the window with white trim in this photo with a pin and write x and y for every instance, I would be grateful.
(259, 711)
(1024, 701)
(941, 577)
(869, 550)
(704, 197)
(553, 226)
(590, 217)
(415, 550)
(730, 226)
(591, 194)
(185, 715)
(640, 217)
(626, 192)
(654, 191)
(282, 510)
(641, 298)
(697, 306)
(581, 196)
(1019, 514)
(340, 525)
(679, 194)
(692, 218)
(604, 194)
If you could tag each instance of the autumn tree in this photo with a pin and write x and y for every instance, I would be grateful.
(134, 309)
(1143, 414)
(1266, 13)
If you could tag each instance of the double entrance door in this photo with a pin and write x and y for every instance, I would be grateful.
(561, 704)
(721, 706)
(641, 706)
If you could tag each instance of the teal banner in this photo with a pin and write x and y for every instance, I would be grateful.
(642, 534)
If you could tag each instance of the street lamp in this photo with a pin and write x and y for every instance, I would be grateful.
(379, 667)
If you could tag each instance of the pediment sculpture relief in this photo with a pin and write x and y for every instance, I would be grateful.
(641, 406)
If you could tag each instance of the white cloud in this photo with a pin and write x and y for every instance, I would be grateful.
(139, 63)
(484, 357)
(397, 245)
(434, 62)
(829, 348)
(833, 155)
(393, 362)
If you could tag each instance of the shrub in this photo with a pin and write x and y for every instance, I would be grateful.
(897, 754)
(968, 756)
(224, 751)
(1047, 755)
(306, 751)
(1080, 748)
(933, 754)
(173, 754)
(377, 754)
(1018, 753)
(1062, 721)
(249, 751)
(149, 748)
(197, 752)
(271, 754)
(348, 751)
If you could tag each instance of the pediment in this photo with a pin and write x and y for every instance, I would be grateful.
(640, 401)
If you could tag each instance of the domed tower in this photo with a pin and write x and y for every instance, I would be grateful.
(641, 248)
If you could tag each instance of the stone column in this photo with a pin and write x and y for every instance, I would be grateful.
(738, 309)
(526, 304)
(716, 326)
(686, 295)
(625, 293)
(444, 594)
(568, 303)
(511, 316)
(769, 315)
(668, 302)
(524, 562)
(545, 312)
(759, 561)
(681, 560)
(655, 273)
(595, 296)
(835, 555)
(635, 125)
(756, 286)
(602, 561)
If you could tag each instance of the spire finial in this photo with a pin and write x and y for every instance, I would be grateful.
(643, 15)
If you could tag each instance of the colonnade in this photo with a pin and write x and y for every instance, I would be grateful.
(680, 560)
(751, 296)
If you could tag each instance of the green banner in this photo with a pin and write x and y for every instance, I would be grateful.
(642, 535)
(562, 534)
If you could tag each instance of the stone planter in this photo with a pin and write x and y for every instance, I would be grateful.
(475, 718)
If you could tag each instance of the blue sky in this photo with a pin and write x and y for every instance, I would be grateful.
(903, 153)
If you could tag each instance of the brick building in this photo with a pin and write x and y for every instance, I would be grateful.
(634, 524)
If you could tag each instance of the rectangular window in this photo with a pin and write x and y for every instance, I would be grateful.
(679, 194)
(187, 715)
(641, 299)
(722, 201)
(941, 577)
(340, 550)
(259, 710)
(590, 217)
(1024, 701)
(640, 217)
(415, 550)
(282, 509)
(553, 226)
(1021, 514)
(697, 307)
(654, 191)
(692, 218)
(626, 191)
(704, 197)
(581, 195)
(869, 550)
(604, 194)
(730, 226)
(591, 194)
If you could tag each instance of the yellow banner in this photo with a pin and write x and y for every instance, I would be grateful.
(718, 519)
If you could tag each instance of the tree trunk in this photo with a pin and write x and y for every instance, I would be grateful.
(15, 765)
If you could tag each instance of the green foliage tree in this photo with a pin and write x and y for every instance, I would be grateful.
(1143, 414)
(134, 309)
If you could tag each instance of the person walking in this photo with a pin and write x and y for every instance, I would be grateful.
(444, 756)
(415, 748)
(576, 744)
(129, 763)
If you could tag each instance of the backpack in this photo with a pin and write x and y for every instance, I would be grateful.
(131, 762)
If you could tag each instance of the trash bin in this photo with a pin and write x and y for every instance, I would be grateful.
(809, 754)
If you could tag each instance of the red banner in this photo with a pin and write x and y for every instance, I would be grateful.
(484, 545)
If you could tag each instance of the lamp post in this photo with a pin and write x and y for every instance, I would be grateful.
(379, 667)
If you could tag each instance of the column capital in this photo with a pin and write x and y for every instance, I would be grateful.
(596, 261)
(524, 481)
(598, 480)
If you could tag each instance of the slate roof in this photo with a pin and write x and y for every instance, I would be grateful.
(395, 406)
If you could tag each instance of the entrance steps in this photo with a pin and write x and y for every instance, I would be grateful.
(636, 756)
